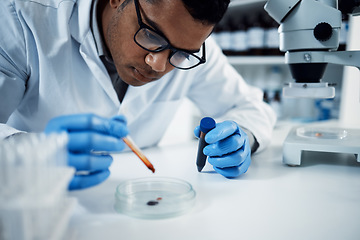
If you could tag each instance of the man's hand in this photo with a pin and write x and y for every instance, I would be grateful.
(228, 150)
(90, 139)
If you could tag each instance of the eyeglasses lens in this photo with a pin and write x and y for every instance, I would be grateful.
(183, 60)
(150, 40)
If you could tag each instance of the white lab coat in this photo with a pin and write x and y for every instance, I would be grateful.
(49, 67)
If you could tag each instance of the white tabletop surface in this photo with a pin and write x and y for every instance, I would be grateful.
(318, 200)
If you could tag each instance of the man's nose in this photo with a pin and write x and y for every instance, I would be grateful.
(157, 61)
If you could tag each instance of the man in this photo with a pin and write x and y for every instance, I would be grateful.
(100, 69)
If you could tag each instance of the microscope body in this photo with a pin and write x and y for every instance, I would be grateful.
(309, 35)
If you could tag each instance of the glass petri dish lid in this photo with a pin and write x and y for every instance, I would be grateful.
(154, 198)
(321, 133)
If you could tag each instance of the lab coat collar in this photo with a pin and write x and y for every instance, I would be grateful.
(81, 32)
(89, 54)
(80, 20)
(95, 28)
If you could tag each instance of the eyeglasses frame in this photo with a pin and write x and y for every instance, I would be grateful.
(173, 49)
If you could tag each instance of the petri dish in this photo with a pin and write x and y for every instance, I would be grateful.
(154, 198)
(321, 133)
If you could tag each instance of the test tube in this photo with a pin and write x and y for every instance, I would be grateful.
(206, 124)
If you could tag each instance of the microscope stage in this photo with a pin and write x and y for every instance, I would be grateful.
(320, 139)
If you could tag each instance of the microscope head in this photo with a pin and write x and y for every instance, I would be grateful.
(307, 27)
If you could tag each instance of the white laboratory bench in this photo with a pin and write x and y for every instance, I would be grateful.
(318, 200)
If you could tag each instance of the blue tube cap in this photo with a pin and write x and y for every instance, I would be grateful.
(206, 124)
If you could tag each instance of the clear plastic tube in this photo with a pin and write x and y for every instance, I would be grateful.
(33, 183)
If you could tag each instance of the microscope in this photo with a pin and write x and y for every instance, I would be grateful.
(309, 34)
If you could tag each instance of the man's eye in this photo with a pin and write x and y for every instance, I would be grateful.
(151, 36)
(184, 55)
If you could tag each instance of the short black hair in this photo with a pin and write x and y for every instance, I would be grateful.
(207, 11)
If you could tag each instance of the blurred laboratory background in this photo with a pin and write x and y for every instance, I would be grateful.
(250, 39)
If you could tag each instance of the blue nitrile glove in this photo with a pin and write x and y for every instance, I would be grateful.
(89, 134)
(228, 150)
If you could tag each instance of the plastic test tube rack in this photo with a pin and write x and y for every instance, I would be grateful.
(33, 185)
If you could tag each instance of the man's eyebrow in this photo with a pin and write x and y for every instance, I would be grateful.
(156, 27)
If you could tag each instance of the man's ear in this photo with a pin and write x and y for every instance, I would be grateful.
(115, 3)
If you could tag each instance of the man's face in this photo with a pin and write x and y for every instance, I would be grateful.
(135, 65)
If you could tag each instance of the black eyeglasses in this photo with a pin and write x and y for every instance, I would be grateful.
(153, 41)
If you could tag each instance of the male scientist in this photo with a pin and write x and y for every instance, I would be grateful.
(101, 69)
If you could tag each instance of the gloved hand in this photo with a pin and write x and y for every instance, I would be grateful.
(87, 135)
(228, 150)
